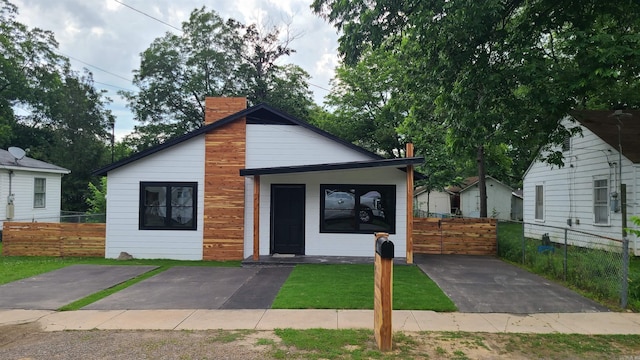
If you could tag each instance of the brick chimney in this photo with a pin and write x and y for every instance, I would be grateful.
(217, 108)
(225, 149)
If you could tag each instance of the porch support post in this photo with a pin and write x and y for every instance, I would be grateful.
(409, 153)
(256, 217)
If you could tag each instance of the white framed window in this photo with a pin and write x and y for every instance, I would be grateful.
(39, 193)
(539, 207)
(601, 201)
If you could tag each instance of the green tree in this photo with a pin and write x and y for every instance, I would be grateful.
(211, 57)
(65, 120)
(502, 73)
(71, 131)
(97, 197)
(28, 67)
(368, 103)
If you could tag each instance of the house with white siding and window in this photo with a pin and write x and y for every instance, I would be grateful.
(256, 182)
(584, 194)
(30, 189)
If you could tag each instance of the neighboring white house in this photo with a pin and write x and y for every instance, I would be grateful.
(498, 199)
(584, 194)
(30, 189)
(254, 182)
(434, 203)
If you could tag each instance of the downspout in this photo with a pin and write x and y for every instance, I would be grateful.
(10, 207)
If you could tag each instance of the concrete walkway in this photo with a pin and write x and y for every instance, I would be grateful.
(403, 320)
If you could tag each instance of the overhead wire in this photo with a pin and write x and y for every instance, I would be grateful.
(176, 28)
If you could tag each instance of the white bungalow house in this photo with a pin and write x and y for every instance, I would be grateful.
(432, 203)
(498, 198)
(584, 194)
(30, 189)
(256, 182)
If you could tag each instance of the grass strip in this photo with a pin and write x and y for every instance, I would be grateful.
(312, 286)
(79, 304)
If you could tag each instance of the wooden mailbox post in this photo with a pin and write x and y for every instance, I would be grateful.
(383, 291)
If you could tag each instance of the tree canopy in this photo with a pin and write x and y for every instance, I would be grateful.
(212, 57)
(499, 74)
(62, 117)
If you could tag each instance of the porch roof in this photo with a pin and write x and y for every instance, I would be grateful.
(398, 162)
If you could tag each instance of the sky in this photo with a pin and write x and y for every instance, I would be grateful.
(107, 37)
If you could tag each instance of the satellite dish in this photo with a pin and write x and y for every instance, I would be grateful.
(16, 152)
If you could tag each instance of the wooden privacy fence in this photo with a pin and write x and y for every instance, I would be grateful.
(53, 239)
(454, 236)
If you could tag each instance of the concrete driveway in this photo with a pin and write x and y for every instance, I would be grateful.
(180, 287)
(200, 287)
(52, 290)
(483, 284)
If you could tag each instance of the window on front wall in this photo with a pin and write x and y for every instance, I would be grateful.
(539, 202)
(600, 201)
(168, 206)
(39, 193)
(357, 208)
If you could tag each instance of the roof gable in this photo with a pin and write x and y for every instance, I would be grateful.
(259, 114)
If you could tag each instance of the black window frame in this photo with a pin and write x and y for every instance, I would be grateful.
(168, 185)
(360, 189)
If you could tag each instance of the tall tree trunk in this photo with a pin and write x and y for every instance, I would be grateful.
(482, 185)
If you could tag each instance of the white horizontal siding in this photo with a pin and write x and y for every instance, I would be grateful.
(326, 244)
(498, 201)
(287, 145)
(568, 190)
(181, 163)
(439, 202)
(22, 186)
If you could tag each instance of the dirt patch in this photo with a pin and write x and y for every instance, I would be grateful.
(29, 342)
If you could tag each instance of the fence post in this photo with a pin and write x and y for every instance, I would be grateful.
(625, 272)
(625, 246)
(523, 244)
(564, 270)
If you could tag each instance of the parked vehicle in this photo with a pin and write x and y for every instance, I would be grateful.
(341, 204)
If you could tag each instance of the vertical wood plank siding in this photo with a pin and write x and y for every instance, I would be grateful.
(53, 239)
(454, 236)
(225, 154)
(223, 232)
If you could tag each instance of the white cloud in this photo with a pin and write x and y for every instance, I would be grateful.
(111, 36)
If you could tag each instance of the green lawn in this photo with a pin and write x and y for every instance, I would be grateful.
(351, 287)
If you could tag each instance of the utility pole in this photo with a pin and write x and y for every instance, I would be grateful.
(618, 114)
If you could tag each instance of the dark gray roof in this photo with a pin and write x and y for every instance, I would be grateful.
(605, 126)
(27, 163)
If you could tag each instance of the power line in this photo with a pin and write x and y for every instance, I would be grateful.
(96, 67)
(113, 86)
(147, 15)
(319, 87)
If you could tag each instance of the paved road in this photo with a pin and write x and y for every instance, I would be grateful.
(483, 284)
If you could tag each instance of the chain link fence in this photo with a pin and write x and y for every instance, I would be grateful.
(593, 263)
